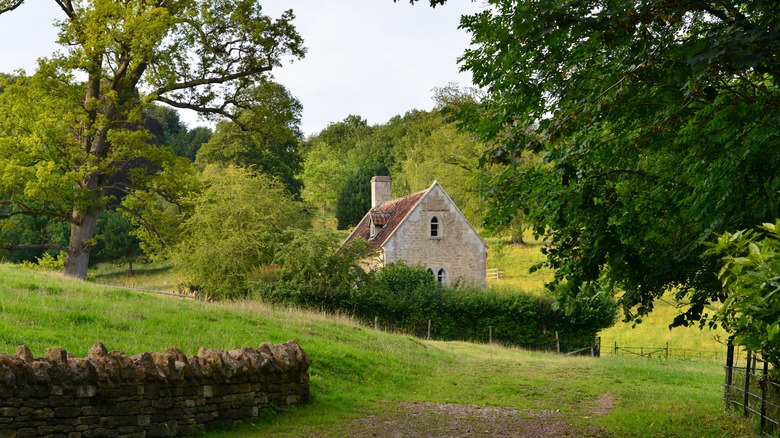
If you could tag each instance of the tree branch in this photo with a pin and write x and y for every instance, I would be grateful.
(203, 109)
(210, 81)
(28, 210)
(66, 6)
(11, 7)
(143, 222)
(34, 246)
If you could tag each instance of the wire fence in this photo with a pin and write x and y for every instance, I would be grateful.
(667, 352)
(751, 391)
(177, 294)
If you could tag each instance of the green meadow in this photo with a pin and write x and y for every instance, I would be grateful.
(361, 376)
(651, 334)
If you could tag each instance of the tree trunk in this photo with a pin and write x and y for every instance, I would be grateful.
(79, 248)
(518, 240)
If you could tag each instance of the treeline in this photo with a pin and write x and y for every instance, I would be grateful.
(187, 192)
(414, 149)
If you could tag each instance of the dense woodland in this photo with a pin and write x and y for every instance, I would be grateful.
(639, 139)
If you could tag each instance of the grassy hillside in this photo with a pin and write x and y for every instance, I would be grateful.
(654, 330)
(362, 378)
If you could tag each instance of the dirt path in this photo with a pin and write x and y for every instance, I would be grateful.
(449, 420)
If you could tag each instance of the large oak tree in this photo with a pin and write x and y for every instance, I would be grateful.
(68, 131)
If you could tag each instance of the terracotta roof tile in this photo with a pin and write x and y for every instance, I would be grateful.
(389, 216)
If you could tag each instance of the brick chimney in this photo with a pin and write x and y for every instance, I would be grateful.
(380, 190)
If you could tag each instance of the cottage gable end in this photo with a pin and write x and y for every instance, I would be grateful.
(425, 228)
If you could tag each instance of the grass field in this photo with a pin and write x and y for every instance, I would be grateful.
(359, 373)
(652, 333)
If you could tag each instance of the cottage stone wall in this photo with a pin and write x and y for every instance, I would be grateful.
(110, 394)
(458, 249)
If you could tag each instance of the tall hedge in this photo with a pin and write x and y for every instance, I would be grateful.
(405, 298)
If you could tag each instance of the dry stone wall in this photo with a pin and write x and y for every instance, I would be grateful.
(110, 394)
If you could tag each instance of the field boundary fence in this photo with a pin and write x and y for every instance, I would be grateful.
(666, 351)
(750, 390)
(494, 273)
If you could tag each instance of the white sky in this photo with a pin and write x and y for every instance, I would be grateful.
(373, 58)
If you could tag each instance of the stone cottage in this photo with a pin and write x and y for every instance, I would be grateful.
(425, 228)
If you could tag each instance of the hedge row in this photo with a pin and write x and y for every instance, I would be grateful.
(405, 298)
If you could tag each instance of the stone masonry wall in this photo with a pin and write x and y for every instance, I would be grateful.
(458, 249)
(110, 394)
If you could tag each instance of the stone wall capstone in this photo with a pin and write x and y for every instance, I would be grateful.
(110, 394)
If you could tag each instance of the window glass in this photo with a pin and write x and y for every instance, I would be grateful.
(435, 227)
(441, 277)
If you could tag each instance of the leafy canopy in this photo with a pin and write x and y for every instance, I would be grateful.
(239, 221)
(657, 127)
(70, 148)
(751, 275)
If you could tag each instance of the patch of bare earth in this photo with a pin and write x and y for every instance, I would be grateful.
(434, 420)
(603, 405)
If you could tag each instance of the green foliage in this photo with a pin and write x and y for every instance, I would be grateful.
(116, 240)
(264, 136)
(187, 144)
(168, 129)
(354, 199)
(405, 298)
(657, 127)
(313, 271)
(751, 276)
(238, 223)
(47, 262)
(402, 296)
(324, 173)
(433, 149)
(414, 149)
(68, 146)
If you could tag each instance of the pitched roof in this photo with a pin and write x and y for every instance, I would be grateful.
(388, 215)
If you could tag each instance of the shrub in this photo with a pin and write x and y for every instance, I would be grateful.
(751, 277)
(311, 271)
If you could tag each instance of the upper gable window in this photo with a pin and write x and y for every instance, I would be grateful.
(435, 229)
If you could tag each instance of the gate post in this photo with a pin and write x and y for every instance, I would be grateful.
(764, 388)
(729, 370)
(747, 386)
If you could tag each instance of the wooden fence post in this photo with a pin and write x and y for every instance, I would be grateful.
(747, 386)
(763, 395)
(429, 329)
(557, 342)
(490, 335)
(729, 370)
(376, 323)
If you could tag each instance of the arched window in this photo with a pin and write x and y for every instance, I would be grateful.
(441, 277)
(435, 227)
(430, 271)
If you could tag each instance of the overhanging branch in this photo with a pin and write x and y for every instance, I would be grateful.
(222, 111)
(211, 81)
(143, 222)
(11, 7)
